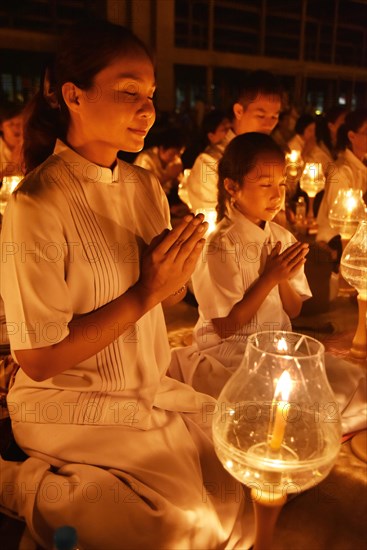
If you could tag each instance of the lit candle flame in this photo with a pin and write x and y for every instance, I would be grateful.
(293, 155)
(284, 386)
(351, 202)
(282, 345)
(282, 390)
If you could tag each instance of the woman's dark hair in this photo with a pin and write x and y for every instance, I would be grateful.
(84, 51)
(322, 129)
(353, 122)
(302, 122)
(239, 157)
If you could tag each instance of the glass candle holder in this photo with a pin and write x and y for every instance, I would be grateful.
(277, 428)
(311, 182)
(293, 169)
(347, 210)
(353, 267)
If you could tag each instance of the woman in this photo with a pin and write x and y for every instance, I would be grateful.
(90, 257)
(349, 171)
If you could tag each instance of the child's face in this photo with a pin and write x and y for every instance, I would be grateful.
(220, 132)
(172, 154)
(118, 111)
(260, 115)
(263, 190)
(13, 131)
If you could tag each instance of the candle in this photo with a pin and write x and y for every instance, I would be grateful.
(293, 161)
(294, 155)
(282, 389)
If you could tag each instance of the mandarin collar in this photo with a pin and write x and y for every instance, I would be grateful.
(90, 171)
(249, 228)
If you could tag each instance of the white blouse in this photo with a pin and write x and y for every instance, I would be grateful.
(232, 261)
(347, 173)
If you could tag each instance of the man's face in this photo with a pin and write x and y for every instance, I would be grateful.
(260, 115)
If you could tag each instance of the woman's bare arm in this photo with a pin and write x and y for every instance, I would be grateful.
(167, 264)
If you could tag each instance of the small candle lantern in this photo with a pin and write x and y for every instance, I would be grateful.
(7, 187)
(210, 216)
(293, 169)
(346, 212)
(344, 215)
(312, 181)
(353, 267)
(277, 428)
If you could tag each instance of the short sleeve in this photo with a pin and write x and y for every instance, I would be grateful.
(36, 297)
(217, 280)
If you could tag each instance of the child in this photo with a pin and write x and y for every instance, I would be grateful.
(11, 140)
(256, 110)
(89, 259)
(164, 161)
(251, 275)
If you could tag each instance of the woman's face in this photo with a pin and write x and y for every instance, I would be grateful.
(358, 140)
(116, 113)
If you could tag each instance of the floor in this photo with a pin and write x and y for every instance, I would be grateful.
(334, 327)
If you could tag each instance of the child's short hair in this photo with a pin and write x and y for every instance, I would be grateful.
(259, 83)
(212, 120)
(302, 122)
(171, 138)
(239, 157)
(9, 110)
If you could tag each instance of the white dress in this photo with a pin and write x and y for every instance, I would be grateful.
(133, 470)
(232, 261)
(347, 173)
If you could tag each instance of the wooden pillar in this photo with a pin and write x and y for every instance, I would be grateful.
(262, 27)
(209, 68)
(335, 30)
(301, 52)
(117, 11)
(165, 14)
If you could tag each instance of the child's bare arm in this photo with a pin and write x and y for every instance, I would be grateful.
(278, 269)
